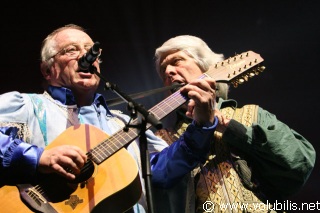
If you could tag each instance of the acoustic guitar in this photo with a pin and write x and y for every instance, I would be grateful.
(109, 181)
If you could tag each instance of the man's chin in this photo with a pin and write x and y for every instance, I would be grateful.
(88, 84)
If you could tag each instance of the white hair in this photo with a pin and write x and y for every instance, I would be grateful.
(48, 47)
(195, 48)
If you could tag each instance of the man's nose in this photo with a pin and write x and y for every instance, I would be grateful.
(170, 70)
(169, 74)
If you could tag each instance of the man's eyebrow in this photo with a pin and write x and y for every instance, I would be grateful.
(78, 44)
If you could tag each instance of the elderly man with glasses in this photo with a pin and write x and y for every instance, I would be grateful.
(64, 150)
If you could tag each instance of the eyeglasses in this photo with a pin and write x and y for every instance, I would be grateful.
(74, 50)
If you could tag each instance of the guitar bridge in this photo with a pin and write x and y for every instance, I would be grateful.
(34, 199)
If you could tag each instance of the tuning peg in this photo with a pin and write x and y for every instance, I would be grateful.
(251, 74)
(241, 80)
(235, 84)
(261, 68)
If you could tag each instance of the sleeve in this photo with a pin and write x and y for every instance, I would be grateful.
(181, 157)
(281, 158)
(18, 159)
(19, 162)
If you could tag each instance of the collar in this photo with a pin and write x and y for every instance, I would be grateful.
(65, 96)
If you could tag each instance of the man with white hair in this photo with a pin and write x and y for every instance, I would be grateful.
(254, 159)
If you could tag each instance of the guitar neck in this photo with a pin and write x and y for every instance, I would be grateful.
(234, 70)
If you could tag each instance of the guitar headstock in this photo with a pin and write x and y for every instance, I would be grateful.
(237, 69)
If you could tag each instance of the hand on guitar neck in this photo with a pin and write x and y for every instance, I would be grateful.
(202, 100)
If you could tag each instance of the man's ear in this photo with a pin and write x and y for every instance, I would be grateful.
(45, 70)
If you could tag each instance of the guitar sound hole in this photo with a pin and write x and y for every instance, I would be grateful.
(85, 173)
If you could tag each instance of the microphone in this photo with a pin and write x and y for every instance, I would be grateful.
(175, 87)
(86, 61)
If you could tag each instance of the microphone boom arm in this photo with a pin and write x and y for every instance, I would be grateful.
(149, 117)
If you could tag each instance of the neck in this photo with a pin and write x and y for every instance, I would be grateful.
(84, 98)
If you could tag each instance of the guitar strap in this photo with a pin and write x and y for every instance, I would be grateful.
(226, 176)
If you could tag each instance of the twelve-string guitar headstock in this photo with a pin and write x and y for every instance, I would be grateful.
(237, 69)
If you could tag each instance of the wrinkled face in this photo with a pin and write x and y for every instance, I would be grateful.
(64, 70)
(179, 67)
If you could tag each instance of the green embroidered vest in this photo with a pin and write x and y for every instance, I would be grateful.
(225, 179)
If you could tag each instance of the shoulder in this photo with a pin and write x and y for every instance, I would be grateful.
(15, 106)
(14, 98)
(12, 94)
(246, 114)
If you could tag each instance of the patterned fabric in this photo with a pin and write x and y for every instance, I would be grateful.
(23, 132)
(219, 180)
(225, 178)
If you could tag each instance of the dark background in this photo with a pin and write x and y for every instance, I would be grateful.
(285, 33)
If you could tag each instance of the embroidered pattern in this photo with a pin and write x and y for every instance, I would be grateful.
(221, 173)
(23, 133)
(217, 180)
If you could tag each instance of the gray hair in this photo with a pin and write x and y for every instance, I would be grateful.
(48, 47)
(197, 49)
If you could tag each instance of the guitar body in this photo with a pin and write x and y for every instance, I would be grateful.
(102, 191)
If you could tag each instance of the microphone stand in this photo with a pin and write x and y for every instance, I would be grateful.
(147, 117)
(116, 101)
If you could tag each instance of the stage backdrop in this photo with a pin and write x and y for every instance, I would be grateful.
(285, 33)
